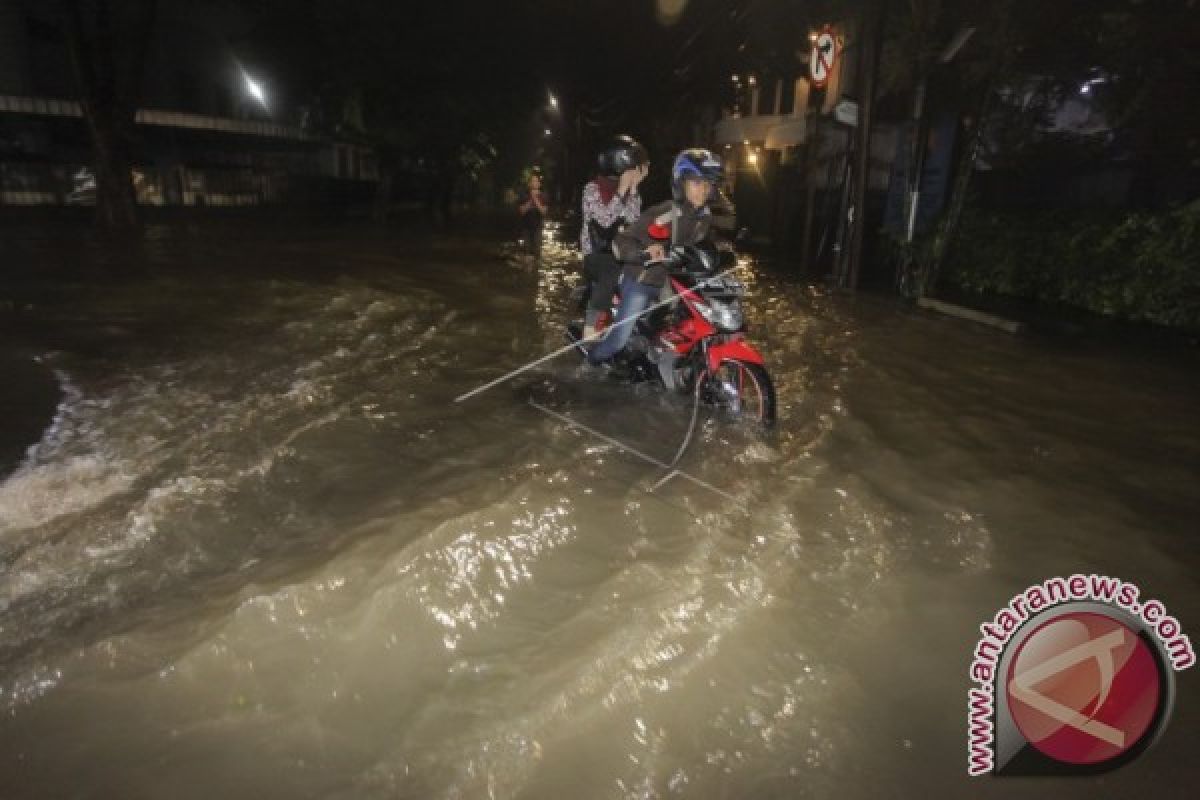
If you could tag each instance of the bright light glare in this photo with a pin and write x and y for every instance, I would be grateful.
(752, 157)
(547, 131)
(255, 90)
(553, 101)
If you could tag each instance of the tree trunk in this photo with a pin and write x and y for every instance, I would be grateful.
(958, 197)
(930, 271)
(108, 53)
(810, 199)
(871, 39)
(383, 195)
(1001, 59)
(116, 201)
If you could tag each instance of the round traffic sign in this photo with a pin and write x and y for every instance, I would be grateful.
(823, 57)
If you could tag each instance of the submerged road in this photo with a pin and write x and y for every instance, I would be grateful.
(261, 553)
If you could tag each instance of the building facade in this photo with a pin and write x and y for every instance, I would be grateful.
(203, 138)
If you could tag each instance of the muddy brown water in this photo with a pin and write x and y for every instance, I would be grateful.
(261, 552)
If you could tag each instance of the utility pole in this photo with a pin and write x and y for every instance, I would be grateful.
(868, 66)
(811, 150)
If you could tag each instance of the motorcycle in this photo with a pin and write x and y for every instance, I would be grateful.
(693, 341)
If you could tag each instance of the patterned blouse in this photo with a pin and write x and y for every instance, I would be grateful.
(627, 208)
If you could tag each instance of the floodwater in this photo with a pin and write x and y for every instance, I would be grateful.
(260, 552)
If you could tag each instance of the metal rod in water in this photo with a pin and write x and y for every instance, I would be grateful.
(573, 345)
(650, 459)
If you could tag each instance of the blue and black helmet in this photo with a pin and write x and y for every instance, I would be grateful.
(695, 162)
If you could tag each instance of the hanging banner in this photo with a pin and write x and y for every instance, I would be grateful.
(935, 177)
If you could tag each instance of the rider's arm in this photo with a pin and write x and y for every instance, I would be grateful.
(589, 206)
(604, 214)
(630, 244)
(617, 208)
(631, 206)
(707, 231)
(592, 207)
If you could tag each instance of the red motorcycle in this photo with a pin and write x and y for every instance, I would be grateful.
(693, 340)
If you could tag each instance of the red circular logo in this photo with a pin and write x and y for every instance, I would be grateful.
(1083, 688)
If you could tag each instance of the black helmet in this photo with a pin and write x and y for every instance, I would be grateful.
(622, 154)
(695, 162)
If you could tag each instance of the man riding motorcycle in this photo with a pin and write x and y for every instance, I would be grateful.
(684, 220)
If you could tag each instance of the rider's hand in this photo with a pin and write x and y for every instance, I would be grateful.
(656, 252)
(627, 181)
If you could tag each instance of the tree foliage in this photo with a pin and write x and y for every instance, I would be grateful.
(1137, 266)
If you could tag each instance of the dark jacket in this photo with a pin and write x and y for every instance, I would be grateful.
(688, 225)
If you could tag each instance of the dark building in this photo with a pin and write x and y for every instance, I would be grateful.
(210, 132)
(788, 142)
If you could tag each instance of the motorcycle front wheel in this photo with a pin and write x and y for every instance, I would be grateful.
(739, 389)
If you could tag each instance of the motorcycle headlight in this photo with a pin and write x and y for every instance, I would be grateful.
(725, 316)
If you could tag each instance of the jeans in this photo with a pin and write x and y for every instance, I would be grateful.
(636, 297)
(602, 273)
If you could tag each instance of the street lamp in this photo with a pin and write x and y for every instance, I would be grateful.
(255, 90)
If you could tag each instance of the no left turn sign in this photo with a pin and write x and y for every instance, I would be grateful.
(824, 56)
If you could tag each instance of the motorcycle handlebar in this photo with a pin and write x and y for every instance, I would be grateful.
(676, 259)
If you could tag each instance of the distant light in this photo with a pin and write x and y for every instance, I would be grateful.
(955, 44)
(547, 131)
(255, 90)
(553, 101)
(746, 142)
(812, 37)
(1085, 89)
(669, 11)
(735, 78)
(753, 80)
(752, 158)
